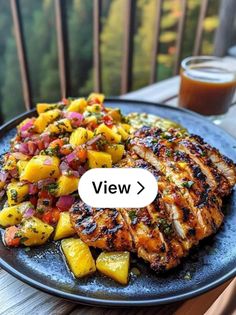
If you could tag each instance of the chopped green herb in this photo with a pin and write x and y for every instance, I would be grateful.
(23, 240)
(168, 153)
(27, 249)
(51, 188)
(188, 276)
(188, 184)
(133, 216)
(14, 194)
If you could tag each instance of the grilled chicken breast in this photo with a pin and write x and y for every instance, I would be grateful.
(192, 179)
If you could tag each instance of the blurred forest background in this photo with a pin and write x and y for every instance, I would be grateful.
(40, 35)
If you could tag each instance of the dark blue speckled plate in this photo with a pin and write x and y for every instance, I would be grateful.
(210, 264)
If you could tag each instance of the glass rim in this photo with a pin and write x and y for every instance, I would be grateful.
(206, 58)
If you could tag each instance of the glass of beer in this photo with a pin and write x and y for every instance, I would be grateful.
(207, 85)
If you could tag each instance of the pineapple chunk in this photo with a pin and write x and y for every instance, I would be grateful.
(109, 134)
(115, 114)
(41, 167)
(44, 107)
(10, 163)
(96, 97)
(34, 232)
(114, 265)
(80, 136)
(21, 166)
(60, 126)
(45, 119)
(116, 151)
(66, 185)
(123, 133)
(78, 105)
(128, 128)
(78, 256)
(16, 193)
(96, 108)
(64, 227)
(99, 159)
(10, 216)
(13, 215)
(90, 119)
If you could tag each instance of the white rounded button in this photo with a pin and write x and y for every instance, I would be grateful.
(118, 188)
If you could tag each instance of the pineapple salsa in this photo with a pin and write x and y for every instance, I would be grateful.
(39, 176)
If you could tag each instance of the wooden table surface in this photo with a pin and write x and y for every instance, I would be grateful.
(19, 298)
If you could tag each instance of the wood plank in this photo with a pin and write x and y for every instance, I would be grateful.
(200, 304)
(157, 92)
(198, 37)
(96, 45)
(19, 298)
(21, 52)
(63, 47)
(156, 42)
(225, 304)
(225, 32)
(180, 35)
(155, 310)
(127, 62)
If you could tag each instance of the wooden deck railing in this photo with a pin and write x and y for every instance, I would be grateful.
(128, 44)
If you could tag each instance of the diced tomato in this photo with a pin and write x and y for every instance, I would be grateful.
(55, 215)
(44, 194)
(56, 143)
(10, 236)
(47, 217)
(92, 125)
(51, 216)
(81, 155)
(40, 145)
(65, 101)
(33, 200)
(31, 147)
(66, 149)
(108, 121)
(93, 100)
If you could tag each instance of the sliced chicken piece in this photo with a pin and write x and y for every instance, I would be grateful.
(101, 228)
(153, 147)
(224, 165)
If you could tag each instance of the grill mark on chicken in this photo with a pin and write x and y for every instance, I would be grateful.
(102, 228)
(217, 181)
(224, 165)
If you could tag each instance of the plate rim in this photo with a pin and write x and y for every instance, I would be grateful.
(112, 302)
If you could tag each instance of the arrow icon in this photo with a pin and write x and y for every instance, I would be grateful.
(142, 188)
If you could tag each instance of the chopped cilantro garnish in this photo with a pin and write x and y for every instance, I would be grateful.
(188, 184)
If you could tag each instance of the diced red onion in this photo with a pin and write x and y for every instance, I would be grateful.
(70, 157)
(45, 137)
(3, 176)
(81, 170)
(20, 156)
(13, 172)
(64, 203)
(76, 118)
(64, 167)
(29, 213)
(94, 140)
(48, 161)
(27, 125)
(33, 189)
(23, 148)
(45, 182)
